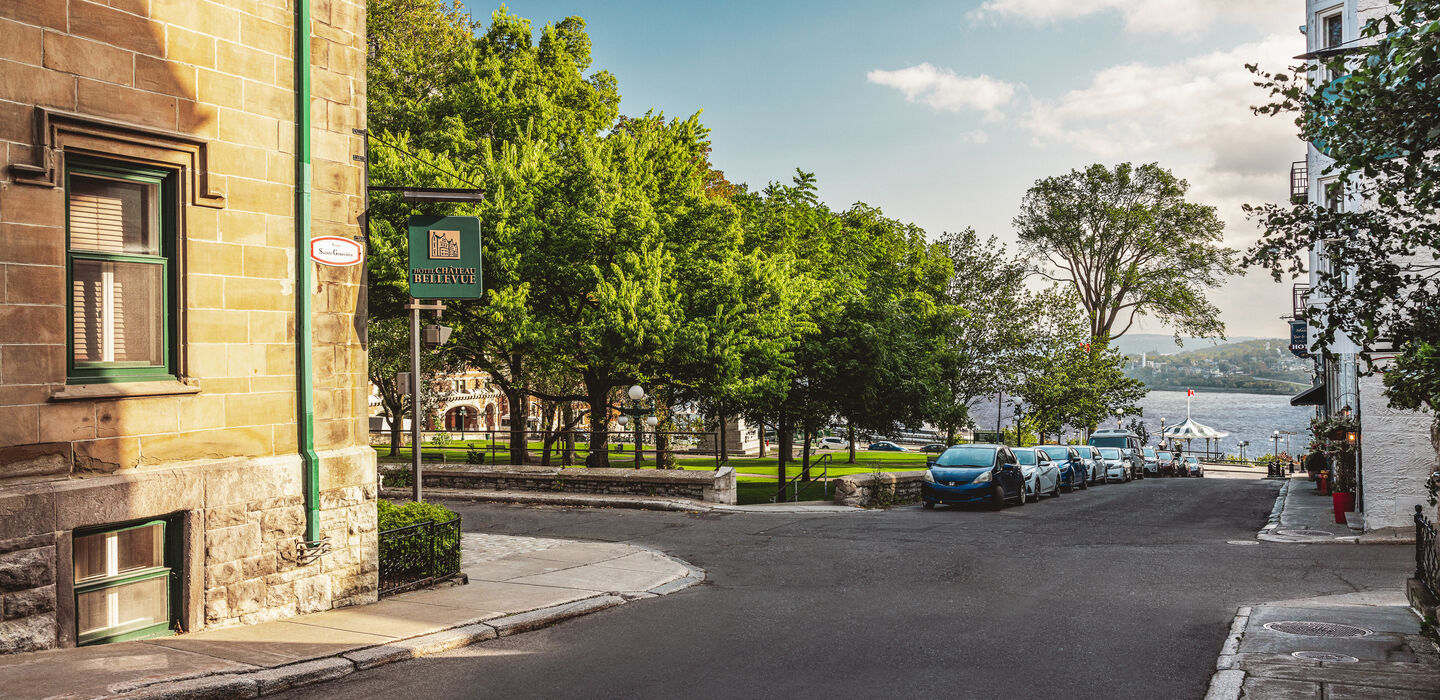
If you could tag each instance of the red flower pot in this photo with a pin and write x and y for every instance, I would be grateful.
(1344, 503)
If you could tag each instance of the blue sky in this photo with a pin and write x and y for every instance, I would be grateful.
(943, 113)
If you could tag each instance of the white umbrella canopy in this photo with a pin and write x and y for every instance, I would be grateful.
(1191, 430)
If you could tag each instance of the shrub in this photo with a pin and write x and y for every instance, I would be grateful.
(392, 516)
(474, 456)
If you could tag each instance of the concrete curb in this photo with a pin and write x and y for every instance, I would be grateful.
(1228, 679)
(269, 681)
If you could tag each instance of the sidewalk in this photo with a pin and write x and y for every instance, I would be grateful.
(1302, 515)
(515, 584)
(1357, 645)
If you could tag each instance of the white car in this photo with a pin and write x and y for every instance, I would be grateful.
(1116, 466)
(1042, 475)
(833, 443)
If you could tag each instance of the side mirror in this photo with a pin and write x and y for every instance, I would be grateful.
(929, 462)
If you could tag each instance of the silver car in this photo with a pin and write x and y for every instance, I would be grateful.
(1042, 475)
(1117, 466)
(1094, 468)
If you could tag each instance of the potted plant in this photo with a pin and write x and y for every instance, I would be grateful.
(1338, 438)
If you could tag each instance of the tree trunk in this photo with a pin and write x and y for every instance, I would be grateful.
(721, 436)
(764, 443)
(519, 409)
(548, 416)
(784, 439)
(850, 431)
(567, 417)
(597, 392)
(805, 456)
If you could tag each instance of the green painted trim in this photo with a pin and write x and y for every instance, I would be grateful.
(304, 372)
(122, 579)
(166, 182)
(170, 571)
(107, 636)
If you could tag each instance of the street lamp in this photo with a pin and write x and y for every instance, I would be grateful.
(637, 394)
(1276, 437)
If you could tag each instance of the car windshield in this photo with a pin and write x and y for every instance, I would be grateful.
(1026, 457)
(1109, 453)
(1164, 455)
(1061, 453)
(967, 457)
(1117, 441)
(1192, 460)
(1150, 453)
(1086, 452)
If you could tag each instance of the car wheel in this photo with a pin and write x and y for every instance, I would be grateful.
(1056, 492)
(1023, 497)
(929, 505)
(1084, 484)
(997, 497)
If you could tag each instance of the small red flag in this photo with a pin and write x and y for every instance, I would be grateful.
(1189, 392)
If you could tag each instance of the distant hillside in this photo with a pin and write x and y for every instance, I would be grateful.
(1262, 366)
(1156, 343)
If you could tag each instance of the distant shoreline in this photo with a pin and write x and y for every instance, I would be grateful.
(1223, 390)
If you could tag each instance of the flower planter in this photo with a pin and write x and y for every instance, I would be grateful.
(1343, 502)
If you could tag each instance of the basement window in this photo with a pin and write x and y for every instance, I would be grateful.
(123, 584)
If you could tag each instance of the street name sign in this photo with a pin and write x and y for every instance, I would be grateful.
(336, 251)
(445, 257)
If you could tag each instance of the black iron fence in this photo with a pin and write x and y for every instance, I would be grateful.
(1427, 560)
(419, 555)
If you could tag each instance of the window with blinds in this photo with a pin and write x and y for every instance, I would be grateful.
(120, 272)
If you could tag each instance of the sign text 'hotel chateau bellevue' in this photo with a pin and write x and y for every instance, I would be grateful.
(445, 257)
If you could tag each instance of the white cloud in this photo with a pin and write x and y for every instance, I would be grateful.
(1184, 18)
(943, 90)
(1193, 116)
(974, 137)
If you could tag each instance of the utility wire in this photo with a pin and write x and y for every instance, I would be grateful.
(424, 162)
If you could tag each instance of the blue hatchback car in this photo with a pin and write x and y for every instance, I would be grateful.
(1072, 467)
(974, 473)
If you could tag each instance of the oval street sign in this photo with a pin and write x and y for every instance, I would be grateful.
(337, 251)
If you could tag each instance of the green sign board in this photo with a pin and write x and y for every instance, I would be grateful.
(445, 257)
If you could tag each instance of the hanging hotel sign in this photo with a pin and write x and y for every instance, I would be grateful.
(336, 251)
(1300, 338)
(445, 257)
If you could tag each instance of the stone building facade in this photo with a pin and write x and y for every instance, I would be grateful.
(156, 469)
(1396, 454)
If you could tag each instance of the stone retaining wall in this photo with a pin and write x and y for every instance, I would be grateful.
(866, 490)
(709, 486)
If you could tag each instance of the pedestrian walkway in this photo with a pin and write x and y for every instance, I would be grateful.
(1302, 515)
(515, 584)
(1358, 645)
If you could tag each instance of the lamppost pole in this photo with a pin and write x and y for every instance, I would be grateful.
(637, 394)
(1276, 437)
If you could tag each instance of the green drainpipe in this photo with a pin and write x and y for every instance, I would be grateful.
(304, 379)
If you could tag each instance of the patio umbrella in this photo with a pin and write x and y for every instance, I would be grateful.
(1190, 429)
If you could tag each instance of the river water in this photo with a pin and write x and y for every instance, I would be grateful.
(1253, 417)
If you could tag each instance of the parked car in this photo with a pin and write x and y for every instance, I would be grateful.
(1117, 465)
(1042, 475)
(885, 446)
(1169, 465)
(971, 473)
(833, 443)
(1129, 445)
(1193, 467)
(1095, 470)
(1152, 461)
(1074, 473)
(933, 448)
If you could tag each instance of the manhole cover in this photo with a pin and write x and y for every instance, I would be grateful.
(1304, 533)
(1324, 656)
(1317, 629)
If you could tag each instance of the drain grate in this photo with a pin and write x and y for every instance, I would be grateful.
(1304, 533)
(1317, 629)
(1324, 656)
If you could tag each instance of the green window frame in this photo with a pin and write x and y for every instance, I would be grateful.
(160, 226)
(108, 587)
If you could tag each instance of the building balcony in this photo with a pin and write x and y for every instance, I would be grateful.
(1299, 182)
(1299, 300)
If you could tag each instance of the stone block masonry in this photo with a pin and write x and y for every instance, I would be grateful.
(709, 486)
(867, 490)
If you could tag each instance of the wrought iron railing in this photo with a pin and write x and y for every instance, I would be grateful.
(807, 475)
(1427, 560)
(1299, 300)
(419, 555)
(1299, 182)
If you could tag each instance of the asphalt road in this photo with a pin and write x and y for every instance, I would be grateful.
(1122, 591)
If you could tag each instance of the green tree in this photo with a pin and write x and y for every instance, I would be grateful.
(389, 354)
(1129, 244)
(989, 314)
(1370, 107)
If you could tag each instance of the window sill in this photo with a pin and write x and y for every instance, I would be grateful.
(118, 390)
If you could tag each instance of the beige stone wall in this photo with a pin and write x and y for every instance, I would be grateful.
(205, 87)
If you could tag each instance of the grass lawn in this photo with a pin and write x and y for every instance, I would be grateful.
(753, 491)
(865, 461)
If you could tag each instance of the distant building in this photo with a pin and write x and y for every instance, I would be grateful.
(1395, 451)
(160, 347)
